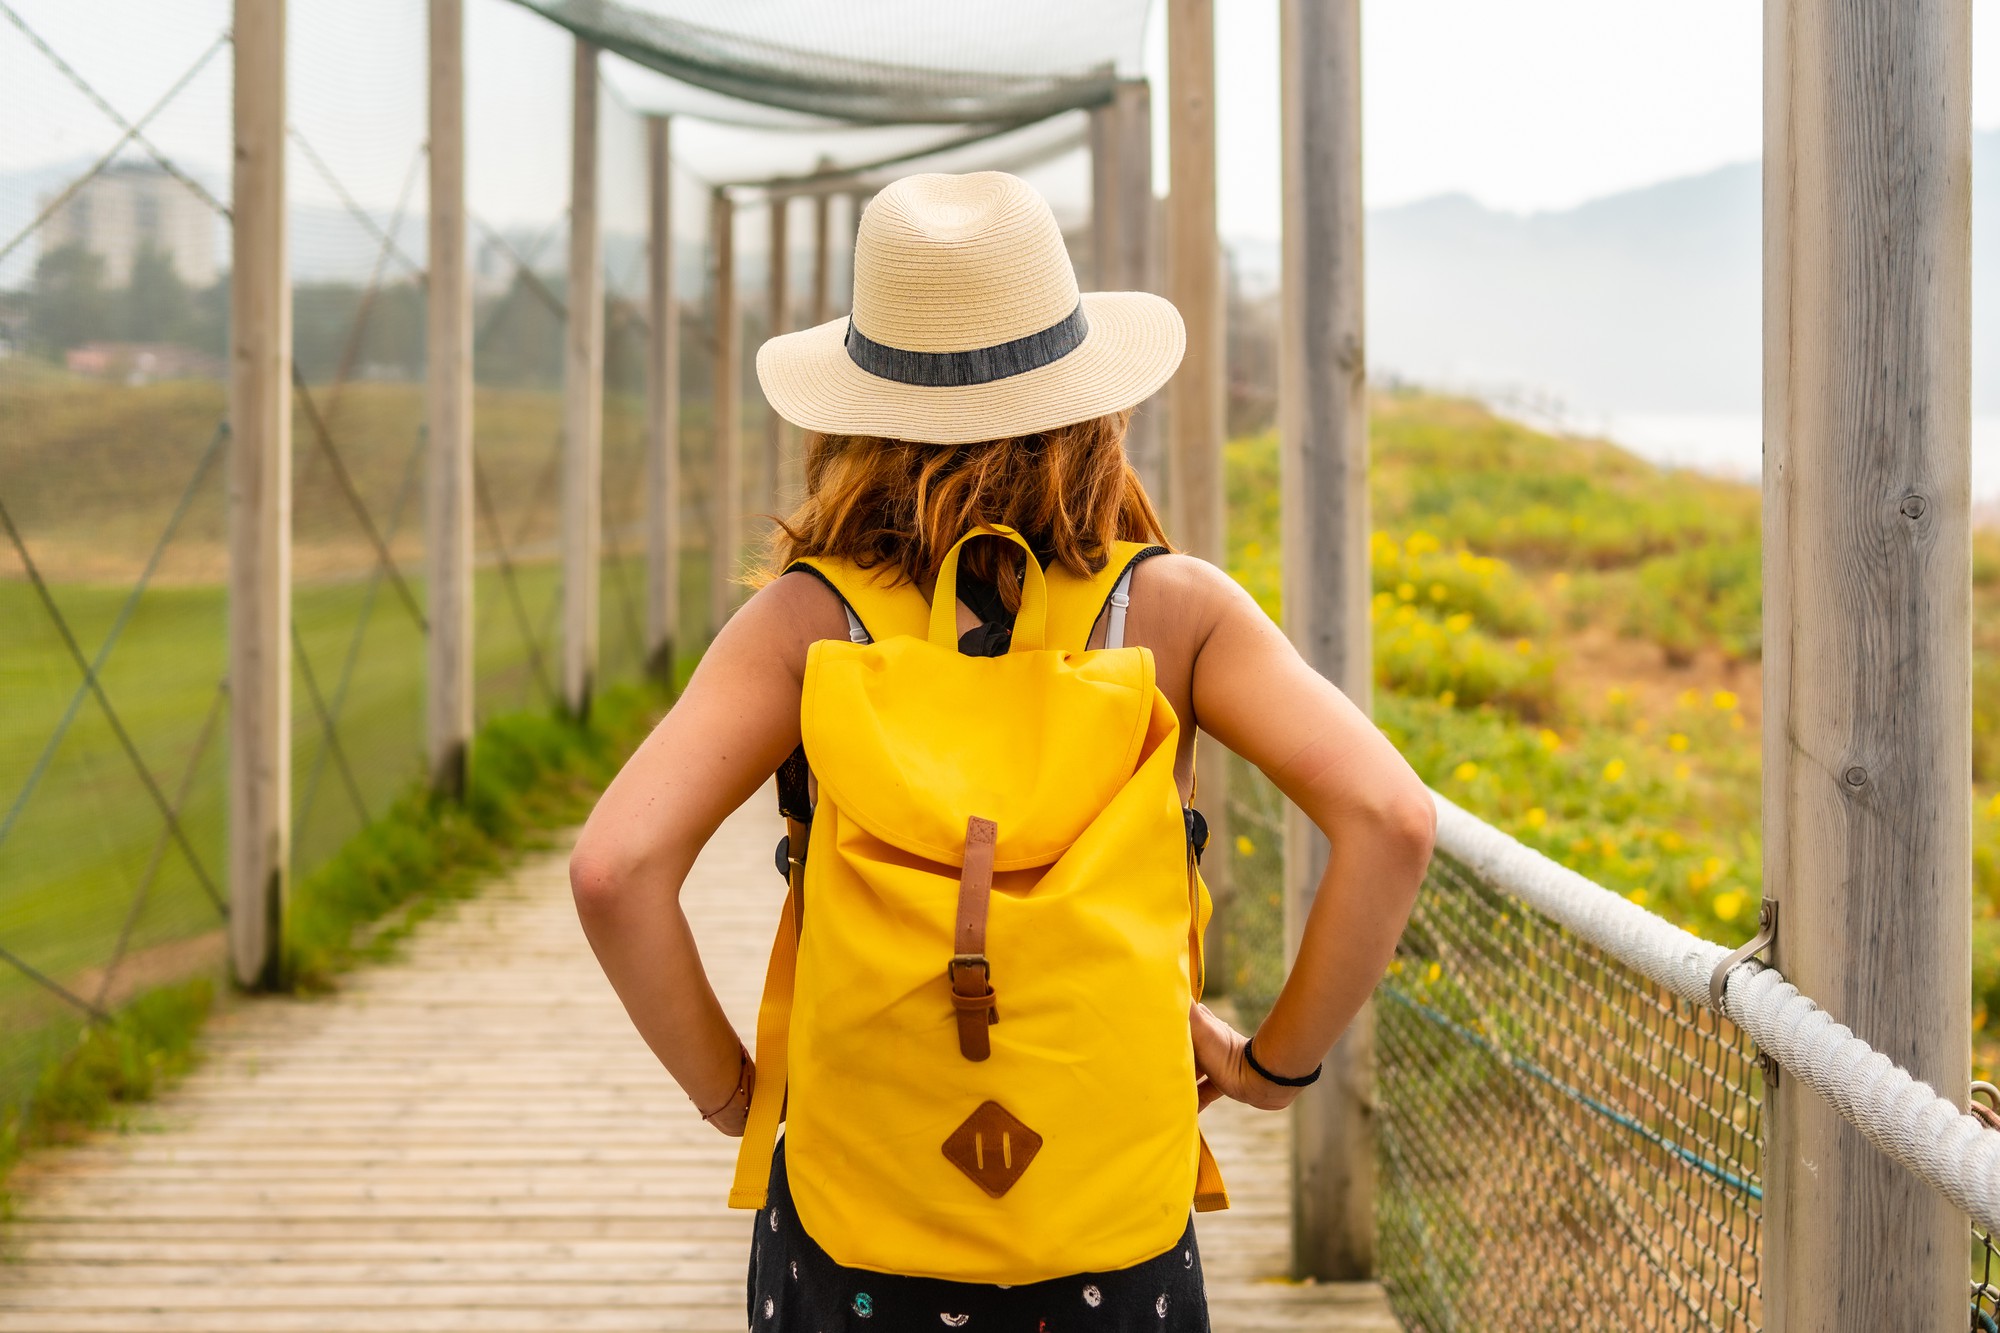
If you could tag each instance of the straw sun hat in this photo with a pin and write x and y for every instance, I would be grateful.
(967, 325)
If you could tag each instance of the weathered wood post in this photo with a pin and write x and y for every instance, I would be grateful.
(1195, 516)
(1323, 430)
(822, 296)
(778, 315)
(1121, 157)
(583, 399)
(725, 479)
(448, 354)
(1194, 283)
(1867, 614)
(260, 507)
(663, 408)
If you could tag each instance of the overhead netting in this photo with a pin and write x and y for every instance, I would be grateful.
(888, 62)
(114, 297)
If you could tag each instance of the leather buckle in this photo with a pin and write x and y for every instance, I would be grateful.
(969, 960)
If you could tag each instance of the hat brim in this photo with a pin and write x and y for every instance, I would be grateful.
(1135, 342)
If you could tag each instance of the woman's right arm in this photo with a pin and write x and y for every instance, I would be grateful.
(1255, 694)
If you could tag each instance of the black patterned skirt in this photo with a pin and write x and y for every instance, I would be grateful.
(796, 1287)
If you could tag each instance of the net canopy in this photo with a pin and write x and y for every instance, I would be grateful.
(886, 62)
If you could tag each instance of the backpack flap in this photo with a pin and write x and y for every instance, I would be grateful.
(1037, 742)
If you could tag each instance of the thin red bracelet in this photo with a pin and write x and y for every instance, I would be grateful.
(744, 1082)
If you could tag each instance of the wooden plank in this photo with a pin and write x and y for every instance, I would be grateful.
(460, 1175)
(725, 415)
(260, 505)
(1323, 434)
(663, 408)
(448, 355)
(1867, 615)
(583, 398)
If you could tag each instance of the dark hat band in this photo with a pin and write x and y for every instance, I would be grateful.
(980, 365)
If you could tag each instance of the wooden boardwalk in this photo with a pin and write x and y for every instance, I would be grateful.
(472, 1137)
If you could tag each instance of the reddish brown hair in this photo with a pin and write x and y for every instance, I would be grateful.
(1069, 491)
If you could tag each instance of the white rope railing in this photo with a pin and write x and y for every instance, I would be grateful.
(1939, 1141)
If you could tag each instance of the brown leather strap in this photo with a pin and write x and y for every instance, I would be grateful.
(970, 975)
(797, 834)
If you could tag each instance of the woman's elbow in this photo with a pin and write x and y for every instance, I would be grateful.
(598, 878)
(1407, 822)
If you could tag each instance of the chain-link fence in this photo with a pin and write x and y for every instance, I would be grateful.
(114, 297)
(1551, 1115)
(358, 200)
(517, 193)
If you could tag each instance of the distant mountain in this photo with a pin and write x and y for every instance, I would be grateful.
(1646, 301)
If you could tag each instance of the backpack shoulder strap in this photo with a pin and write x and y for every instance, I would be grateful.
(880, 600)
(1076, 602)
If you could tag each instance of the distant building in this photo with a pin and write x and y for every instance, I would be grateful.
(140, 363)
(128, 204)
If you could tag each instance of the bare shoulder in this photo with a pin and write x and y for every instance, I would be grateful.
(1197, 595)
(782, 620)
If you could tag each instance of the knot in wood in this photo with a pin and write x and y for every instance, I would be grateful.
(1856, 776)
(1914, 506)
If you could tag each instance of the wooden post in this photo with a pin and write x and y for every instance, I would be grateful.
(777, 485)
(725, 483)
(1323, 434)
(822, 297)
(260, 507)
(1867, 614)
(1194, 419)
(448, 530)
(1121, 154)
(1194, 283)
(583, 398)
(663, 408)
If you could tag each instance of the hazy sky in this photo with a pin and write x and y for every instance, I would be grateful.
(1526, 105)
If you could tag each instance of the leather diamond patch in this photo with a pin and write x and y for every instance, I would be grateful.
(993, 1147)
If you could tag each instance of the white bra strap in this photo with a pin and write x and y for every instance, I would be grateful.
(1121, 598)
(856, 631)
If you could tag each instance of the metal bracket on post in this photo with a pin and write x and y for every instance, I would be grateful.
(1767, 931)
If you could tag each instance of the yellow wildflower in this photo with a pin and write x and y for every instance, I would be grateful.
(1559, 582)
(1448, 698)
(1728, 906)
(1430, 977)
(1439, 592)
(1615, 771)
(1637, 897)
(1677, 742)
(1245, 847)
(1459, 623)
(1466, 771)
(1993, 806)
(1725, 701)
(1617, 696)
(1523, 647)
(1407, 591)
(1253, 551)
(1549, 740)
(1682, 772)
(1690, 698)
(1537, 817)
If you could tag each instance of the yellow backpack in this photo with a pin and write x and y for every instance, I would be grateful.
(975, 1021)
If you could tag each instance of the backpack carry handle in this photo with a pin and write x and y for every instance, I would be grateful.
(1031, 624)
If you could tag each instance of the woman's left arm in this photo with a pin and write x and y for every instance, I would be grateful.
(730, 729)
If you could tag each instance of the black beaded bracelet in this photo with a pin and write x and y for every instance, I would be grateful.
(1279, 1079)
